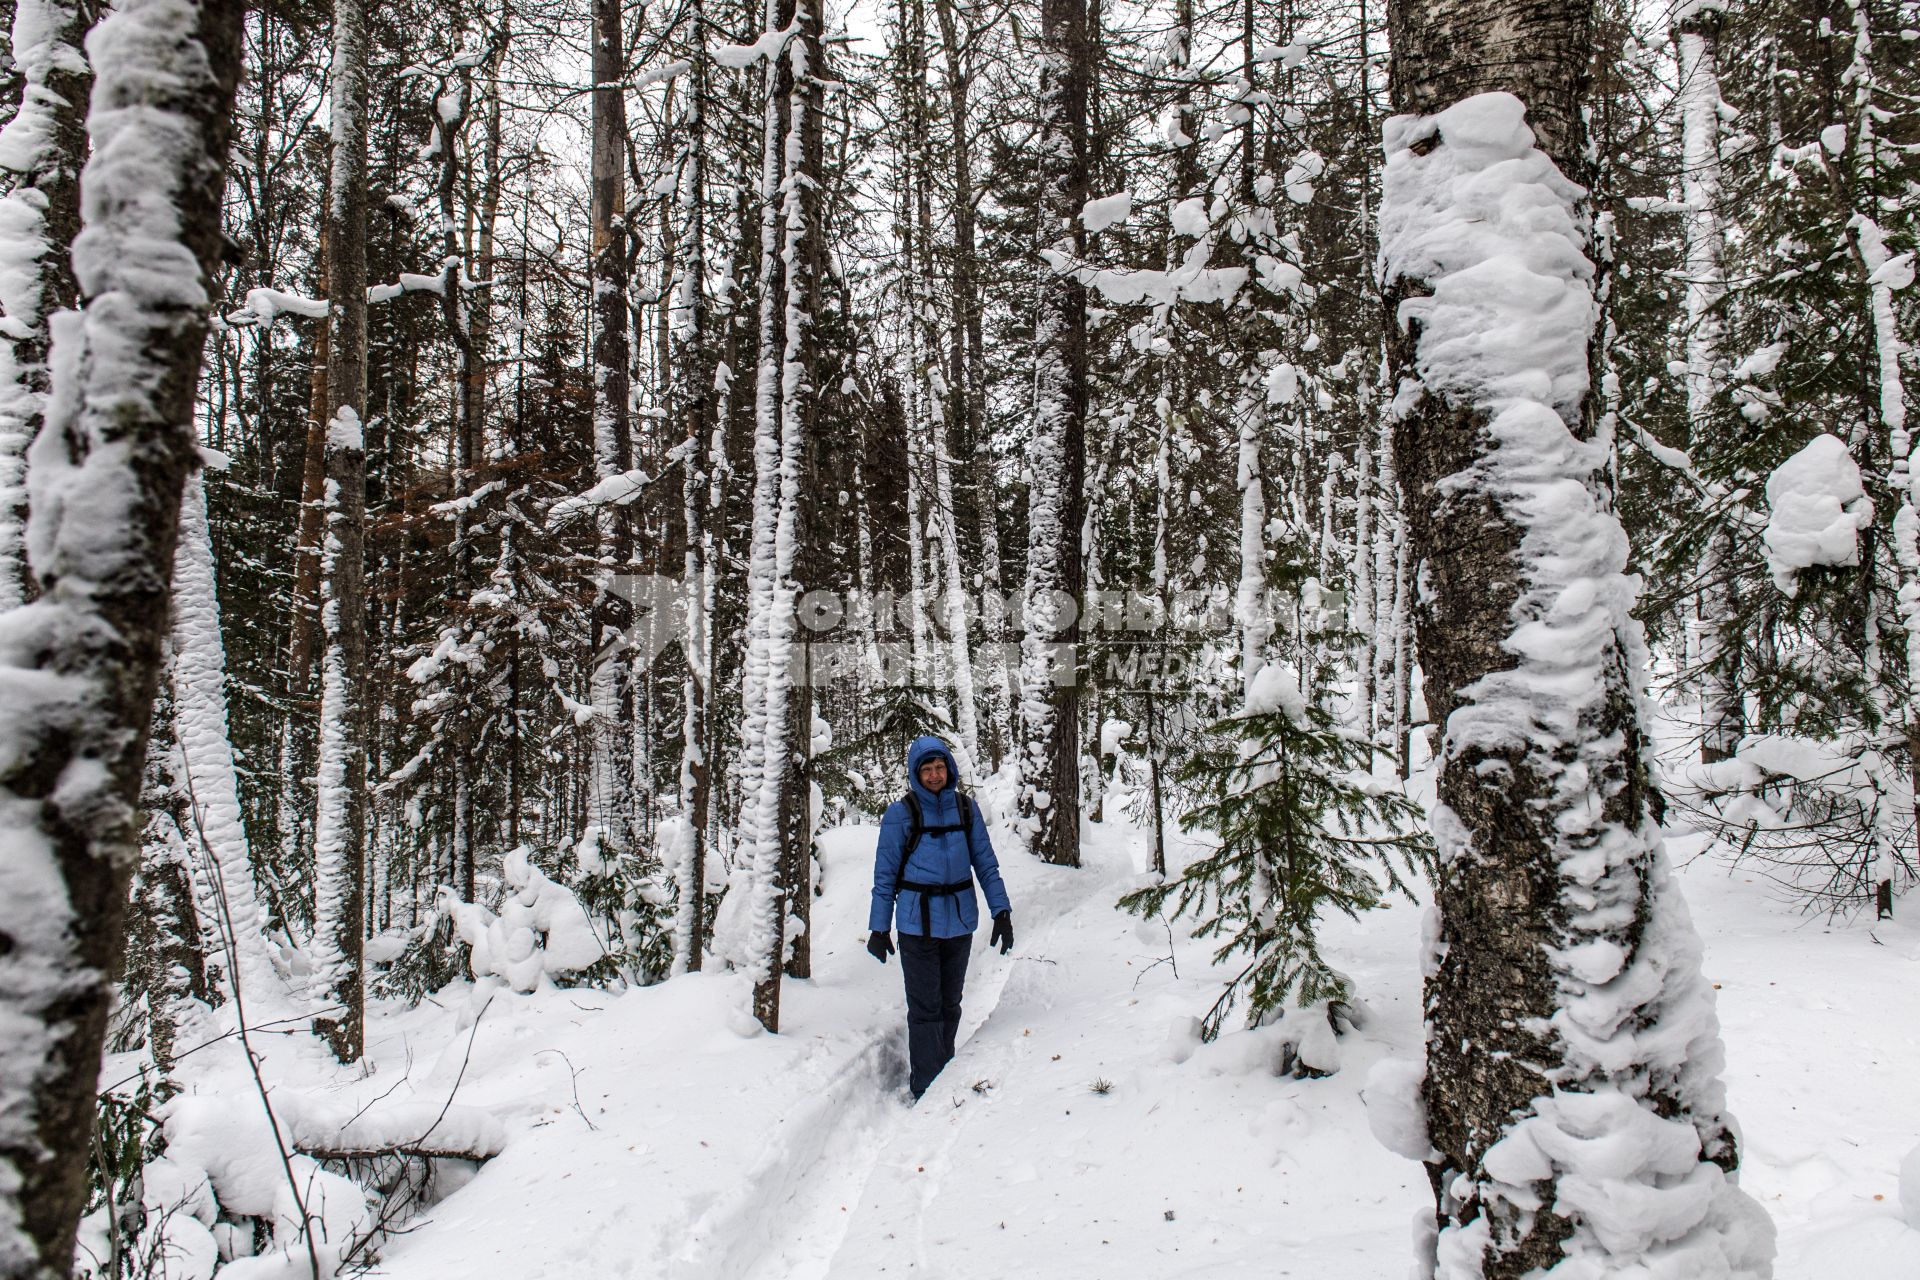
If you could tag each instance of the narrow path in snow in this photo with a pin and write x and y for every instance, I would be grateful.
(791, 1214)
(1074, 1136)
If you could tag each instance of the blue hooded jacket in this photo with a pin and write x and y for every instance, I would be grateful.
(937, 859)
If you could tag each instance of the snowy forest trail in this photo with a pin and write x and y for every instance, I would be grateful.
(788, 1218)
(1081, 1132)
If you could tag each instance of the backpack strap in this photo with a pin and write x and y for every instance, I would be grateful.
(916, 827)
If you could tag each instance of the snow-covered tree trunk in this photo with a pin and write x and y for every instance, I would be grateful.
(1697, 31)
(760, 849)
(1572, 1090)
(1056, 494)
(1250, 603)
(610, 789)
(774, 826)
(1360, 616)
(215, 831)
(1886, 273)
(80, 665)
(451, 107)
(919, 573)
(41, 150)
(303, 638)
(338, 986)
(693, 368)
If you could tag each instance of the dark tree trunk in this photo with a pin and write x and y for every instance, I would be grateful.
(340, 852)
(305, 623)
(105, 520)
(613, 695)
(1058, 496)
(692, 365)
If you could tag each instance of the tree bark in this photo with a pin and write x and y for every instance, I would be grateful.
(340, 852)
(692, 391)
(777, 708)
(43, 202)
(81, 664)
(1050, 704)
(611, 794)
(1697, 38)
(1565, 1008)
(304, 626)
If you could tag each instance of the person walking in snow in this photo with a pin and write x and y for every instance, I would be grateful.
(933, 846)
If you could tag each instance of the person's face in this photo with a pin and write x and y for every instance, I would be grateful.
(933, 775)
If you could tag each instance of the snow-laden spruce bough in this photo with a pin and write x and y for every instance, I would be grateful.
(1621, 1162)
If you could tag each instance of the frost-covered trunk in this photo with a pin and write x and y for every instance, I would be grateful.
(1056, 497)
(1360, 578)
(338, 986)
(41, 150)
(80, 665)
(1572, 1089)
(451, 107)
(693, 368)
(303, 630)
(759, 852)
(1697, 28)
(1250, 604)
(1886, 273)
(777, 716)
(610, 787)
(919, 573)
(214, 830)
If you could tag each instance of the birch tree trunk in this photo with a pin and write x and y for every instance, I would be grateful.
(339, 841)
(1566, 1013)
(1056, 496)
(80, 665)
(41, 150)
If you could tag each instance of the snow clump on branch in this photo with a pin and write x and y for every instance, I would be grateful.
(1818, 510)
(542, 930)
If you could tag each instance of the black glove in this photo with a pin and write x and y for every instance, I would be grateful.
(1002, 932)
(880, 945)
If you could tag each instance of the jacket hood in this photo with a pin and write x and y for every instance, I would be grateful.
(922, 750)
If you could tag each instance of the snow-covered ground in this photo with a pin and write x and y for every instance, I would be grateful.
(1080, 1132)
(648, 1136)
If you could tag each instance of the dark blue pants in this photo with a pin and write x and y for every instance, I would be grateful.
(936, 973)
